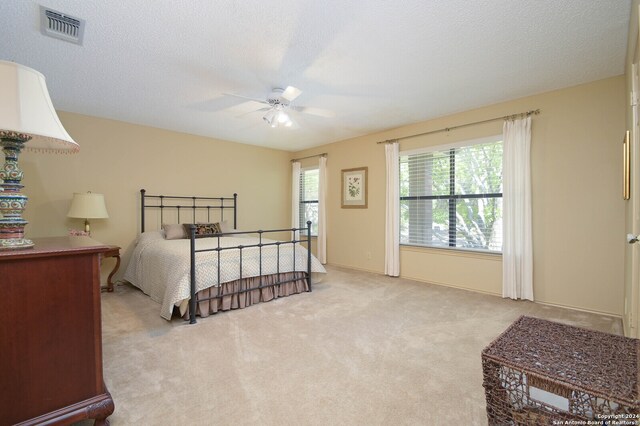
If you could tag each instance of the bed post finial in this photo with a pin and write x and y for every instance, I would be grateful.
(142, 192)
(235, 210)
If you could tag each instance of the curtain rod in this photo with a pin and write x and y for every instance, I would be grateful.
(324, 154)
(446, 129)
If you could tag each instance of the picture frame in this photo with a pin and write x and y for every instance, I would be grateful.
(355, 188)
(626, 166)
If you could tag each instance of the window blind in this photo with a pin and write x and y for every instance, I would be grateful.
(452, 197)
(309, 179)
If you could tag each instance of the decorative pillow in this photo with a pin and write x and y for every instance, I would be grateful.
(174, 231)
(204, 228)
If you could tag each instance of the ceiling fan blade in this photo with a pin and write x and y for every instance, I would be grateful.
(294, 124)
(262, 101)
(314, 111)
(246, 107)
(290, 93)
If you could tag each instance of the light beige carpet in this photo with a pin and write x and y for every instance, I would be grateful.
(361, 349)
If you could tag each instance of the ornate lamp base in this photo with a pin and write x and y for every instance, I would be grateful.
(15, 243)
(12, 202)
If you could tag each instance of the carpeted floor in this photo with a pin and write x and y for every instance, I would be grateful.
(361, 349)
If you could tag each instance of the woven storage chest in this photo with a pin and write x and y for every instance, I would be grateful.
(540, 372)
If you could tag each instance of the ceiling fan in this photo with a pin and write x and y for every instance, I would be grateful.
(279, 103)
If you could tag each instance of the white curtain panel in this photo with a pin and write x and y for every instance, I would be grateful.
(392, 223)
(322, 211)
(295, 197)
(517, 247)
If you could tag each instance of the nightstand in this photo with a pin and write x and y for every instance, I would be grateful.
(113, 251)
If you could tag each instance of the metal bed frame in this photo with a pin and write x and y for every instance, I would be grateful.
(221, 203)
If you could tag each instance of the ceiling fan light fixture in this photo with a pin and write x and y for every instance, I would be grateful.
(277, 117)
(270, 117)
(283, 117)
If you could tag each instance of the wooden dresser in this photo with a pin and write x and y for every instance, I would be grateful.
(51, 334)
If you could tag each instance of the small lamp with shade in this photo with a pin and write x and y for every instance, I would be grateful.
(88, 205)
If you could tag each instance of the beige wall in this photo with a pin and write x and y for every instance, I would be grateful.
(578, 217)
(578, 213)
(118, 159)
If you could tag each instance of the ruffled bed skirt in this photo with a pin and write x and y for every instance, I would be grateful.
(233, 299)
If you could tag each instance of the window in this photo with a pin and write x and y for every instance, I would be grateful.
(452, 196)
(309, 179)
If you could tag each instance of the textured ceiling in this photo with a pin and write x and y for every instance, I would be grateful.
(377, 64)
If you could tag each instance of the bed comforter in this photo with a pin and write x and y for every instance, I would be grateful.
(160, 268)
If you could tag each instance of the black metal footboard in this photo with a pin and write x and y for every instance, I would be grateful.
(260, 245)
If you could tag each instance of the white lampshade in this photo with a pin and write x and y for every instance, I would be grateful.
(25, 107)
(88, 205)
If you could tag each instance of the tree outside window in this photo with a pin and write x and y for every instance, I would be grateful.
(309, 181)
(452, 197)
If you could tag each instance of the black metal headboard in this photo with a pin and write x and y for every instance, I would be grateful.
(177, 202)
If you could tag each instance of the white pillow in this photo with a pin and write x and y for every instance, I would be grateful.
(225, 227)
(175, 231)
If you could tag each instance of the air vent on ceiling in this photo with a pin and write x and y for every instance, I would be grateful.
(58, 25)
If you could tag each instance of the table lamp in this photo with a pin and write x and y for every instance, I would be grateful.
(88, 205)
(27, 121)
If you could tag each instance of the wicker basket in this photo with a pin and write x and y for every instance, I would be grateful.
(541, 372)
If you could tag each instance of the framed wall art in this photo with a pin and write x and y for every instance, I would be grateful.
(354, 188)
